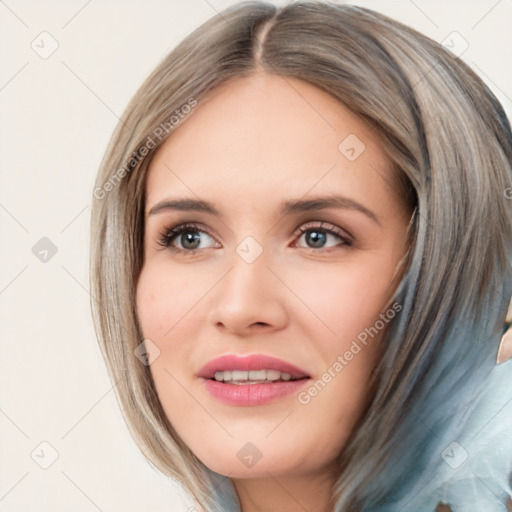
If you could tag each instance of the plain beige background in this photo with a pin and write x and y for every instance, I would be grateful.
(56, 115)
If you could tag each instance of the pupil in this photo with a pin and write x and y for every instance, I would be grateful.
(314, 236)
(189, 237)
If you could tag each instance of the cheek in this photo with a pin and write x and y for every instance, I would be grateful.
(344, 300)
(346, 330)
(171, 315)
(162, 306)
(166, 300)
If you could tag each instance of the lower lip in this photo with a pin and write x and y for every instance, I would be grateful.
(252, 394)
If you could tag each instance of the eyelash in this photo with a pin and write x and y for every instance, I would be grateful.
(168, 235)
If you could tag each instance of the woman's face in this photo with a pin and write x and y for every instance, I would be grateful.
(296, 262)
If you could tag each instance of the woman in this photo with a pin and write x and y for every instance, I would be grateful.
(329, 340)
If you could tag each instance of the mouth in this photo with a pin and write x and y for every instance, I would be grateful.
(237, 369)
(251, 380)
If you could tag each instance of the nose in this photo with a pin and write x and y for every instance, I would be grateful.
(249, 298)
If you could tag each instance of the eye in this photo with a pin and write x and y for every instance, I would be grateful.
(317, 234)
(188, 235)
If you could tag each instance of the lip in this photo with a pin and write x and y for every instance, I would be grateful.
(250, 362)
(251, 394)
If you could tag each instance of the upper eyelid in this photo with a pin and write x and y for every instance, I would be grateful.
(305, 225)
(322, 225)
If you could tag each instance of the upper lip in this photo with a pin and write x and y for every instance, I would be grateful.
(249, 362)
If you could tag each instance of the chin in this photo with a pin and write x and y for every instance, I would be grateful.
(246, 460)
(237, 470)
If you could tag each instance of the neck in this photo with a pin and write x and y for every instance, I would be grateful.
(286, 493)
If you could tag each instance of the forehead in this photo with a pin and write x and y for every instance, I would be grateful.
(254, 136)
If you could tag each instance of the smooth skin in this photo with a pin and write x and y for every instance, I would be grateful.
(254, 143)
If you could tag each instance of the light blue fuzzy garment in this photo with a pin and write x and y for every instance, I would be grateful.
(224, 496)
(473, 471)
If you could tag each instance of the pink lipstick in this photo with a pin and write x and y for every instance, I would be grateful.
(251, 380)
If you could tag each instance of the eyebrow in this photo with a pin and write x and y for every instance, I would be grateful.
(289, 206)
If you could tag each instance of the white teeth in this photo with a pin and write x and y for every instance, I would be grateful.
(239, 375)
(273, 374)
(257, 374)
(252, 377)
